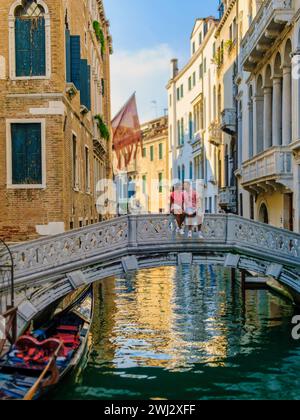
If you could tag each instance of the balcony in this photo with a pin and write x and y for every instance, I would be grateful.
(270, 21)
(197, 143)
(215, 134)
(100, 145)
(269, 171)
(227, 198)
(228, 122)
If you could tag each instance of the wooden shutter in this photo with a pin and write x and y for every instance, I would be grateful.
(23, 47)
(38, 64)
(26, 154)
(75, 60)
(30, 47)
(68, 56)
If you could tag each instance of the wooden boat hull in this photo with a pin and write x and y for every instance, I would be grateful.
(26, 379)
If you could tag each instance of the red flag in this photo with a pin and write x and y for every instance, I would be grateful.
(127, 135)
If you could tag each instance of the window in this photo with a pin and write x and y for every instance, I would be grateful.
(26, 154)
(152, 153)
(182, 131)
(205, 67)
(161, 151)
(194, 48)
(160, 182)
(30, 40)
(190, 83)
(191, 171)
(194, 79)
(144, 184)
(87, 169)
(191, 126)
(144, 154)
(183, 173)
(178, 94)
(178, 133)
(74, 162)
(200, 71)
(181, 91)
(200, 38)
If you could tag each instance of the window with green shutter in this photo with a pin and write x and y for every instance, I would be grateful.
(152, 153)
(161, 151)
(26, 149)
(160, 182)
(144, 184)
(30, 41)
(144, 152)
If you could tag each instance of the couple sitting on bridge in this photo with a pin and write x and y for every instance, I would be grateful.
(186, 207)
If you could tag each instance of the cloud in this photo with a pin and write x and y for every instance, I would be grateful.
(145, 71)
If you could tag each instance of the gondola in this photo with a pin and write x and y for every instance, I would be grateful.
(41, 358)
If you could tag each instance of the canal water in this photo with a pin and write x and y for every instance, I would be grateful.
(186, 333)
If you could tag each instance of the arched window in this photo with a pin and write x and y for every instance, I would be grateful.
(30, 39)
(263, 214)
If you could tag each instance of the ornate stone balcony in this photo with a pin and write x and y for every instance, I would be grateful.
(228, 121)
(268, 24)
(215, 134)
(227, 197)
(269, 171)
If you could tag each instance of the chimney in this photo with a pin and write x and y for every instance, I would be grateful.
(174, 67)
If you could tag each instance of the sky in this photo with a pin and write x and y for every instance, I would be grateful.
(147, 34)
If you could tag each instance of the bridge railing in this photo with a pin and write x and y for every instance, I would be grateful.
(71, 250)
(263, 238)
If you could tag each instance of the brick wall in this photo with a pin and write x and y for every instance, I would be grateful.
(21, 210)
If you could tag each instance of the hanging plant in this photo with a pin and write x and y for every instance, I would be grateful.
(103, 130)
(99, 35)
(228, 45)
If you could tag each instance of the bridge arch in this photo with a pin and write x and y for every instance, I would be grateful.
(54, 266)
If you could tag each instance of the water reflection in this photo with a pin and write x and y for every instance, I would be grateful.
(186, 326)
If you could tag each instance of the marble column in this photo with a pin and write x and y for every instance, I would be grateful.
(258, 111)
(267, 117)
(286, 107)
(277, 112)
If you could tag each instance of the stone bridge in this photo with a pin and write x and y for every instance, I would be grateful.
(54, 266)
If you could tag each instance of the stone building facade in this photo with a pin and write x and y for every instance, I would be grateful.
(54, 81)
(153, 175)
(193, 138)
(256, 72)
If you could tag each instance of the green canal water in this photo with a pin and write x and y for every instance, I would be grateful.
(186, 333)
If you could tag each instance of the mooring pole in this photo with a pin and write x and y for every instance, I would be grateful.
(243, 283)
(233, 275)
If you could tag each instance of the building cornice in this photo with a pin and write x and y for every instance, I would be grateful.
(195, 57)
(225, 16)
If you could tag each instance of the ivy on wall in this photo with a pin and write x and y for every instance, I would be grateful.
(99, 35)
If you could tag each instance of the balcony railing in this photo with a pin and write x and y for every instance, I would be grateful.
(215, 134)
(274, 164)
(269, 22)
(228, 122)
